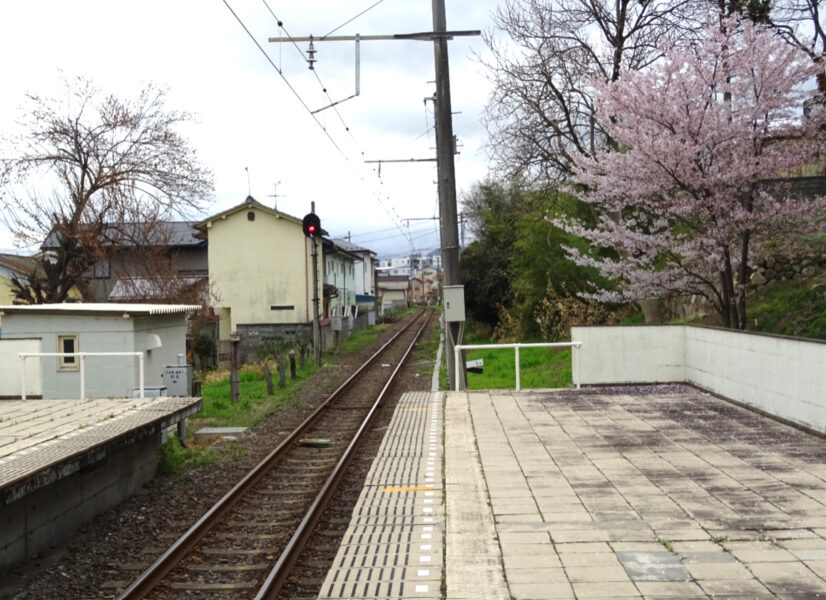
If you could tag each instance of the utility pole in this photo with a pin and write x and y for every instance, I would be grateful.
(444, 148)
(446, 178)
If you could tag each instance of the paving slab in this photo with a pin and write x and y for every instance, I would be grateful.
(657, 492)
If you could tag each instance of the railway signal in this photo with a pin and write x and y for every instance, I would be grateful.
(312, 225)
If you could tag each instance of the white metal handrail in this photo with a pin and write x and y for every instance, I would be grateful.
(82, 355)
(575, 356)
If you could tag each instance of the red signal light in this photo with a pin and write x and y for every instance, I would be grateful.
(311, 225)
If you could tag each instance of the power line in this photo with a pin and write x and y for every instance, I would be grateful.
(292, 89)
(353, 19)
(307, 108)
(318, 78)
(338, 113)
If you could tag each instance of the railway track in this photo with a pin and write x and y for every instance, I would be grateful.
(245, 545)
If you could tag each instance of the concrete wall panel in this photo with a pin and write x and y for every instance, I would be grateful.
(785, 377)
(630, 354)
(10, 367)
(33, 522)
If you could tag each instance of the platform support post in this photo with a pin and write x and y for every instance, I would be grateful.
(182, 432)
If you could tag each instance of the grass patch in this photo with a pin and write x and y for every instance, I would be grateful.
(539, 367)
(254, 405)
(633, 319)
(358, 341)
(175, 460)
(424, 356)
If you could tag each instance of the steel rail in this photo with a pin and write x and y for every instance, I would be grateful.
(279, 573)
(155, 573)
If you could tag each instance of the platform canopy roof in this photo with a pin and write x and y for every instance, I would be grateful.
(98, 308)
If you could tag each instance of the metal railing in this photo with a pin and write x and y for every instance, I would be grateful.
(575, 356)
(82, 355)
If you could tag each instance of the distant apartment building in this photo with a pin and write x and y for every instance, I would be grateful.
(411, 264)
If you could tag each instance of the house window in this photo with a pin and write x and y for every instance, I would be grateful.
(67, 343)
(101, 269)
(251, 216)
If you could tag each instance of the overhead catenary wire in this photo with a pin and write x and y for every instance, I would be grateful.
(335, 108)
(315, 72)
(371, 7)
(307, 108)
(289, 85)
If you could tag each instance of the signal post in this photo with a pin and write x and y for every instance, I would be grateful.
(312, 228)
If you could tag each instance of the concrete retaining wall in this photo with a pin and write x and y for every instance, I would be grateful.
(785, 377)
(37, 520)
(10, 368)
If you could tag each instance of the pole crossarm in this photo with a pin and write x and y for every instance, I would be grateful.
(402, 160)
(426, 36)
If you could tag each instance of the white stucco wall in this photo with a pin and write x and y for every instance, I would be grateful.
(785, 377)
(10, 367)
(630, 354)
(260, 263)
(105, 376)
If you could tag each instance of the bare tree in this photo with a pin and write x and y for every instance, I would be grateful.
(83, 167)
(541, 112)
(803, 24)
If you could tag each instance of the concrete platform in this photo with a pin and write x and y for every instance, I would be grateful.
(662, 494)
(63, 461)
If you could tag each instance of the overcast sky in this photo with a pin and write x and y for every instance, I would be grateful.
(252, 130)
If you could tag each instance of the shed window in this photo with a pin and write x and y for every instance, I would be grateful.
(67, 343)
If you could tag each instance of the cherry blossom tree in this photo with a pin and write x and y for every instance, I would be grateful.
(696, 192)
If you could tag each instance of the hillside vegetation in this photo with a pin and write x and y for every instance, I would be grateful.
(796, 307)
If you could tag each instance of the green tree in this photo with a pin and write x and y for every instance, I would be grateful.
(518, 259)
(485, 262)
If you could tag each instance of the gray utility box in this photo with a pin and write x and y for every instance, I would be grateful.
(454, 297)
(178, 379)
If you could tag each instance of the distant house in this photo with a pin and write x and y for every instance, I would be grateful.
(260, 275)
(365, 273)
(431, 278)
(12, 266)
(411, 264)
(393, 291)
(415, 292)
(147, 262)
(157, 330)
(339, 279)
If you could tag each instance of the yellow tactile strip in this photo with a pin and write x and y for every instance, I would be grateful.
(393, 546)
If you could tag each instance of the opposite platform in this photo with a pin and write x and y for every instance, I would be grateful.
(647, 493)
(63, 462)
(45, 440)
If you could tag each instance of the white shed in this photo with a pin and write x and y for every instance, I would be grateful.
(157, 330)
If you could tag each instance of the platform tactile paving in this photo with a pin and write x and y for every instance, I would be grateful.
(393, 545)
